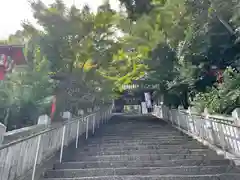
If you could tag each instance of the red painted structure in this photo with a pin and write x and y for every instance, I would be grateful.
(218, 73)
(53, 108)
(10, 55)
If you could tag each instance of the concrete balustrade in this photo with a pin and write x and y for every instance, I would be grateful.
(44, 119)
(67, 115)
(236, 116)
(2, 131)
(221, 133)
(25, 154)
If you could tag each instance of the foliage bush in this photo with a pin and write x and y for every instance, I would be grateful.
(222, 98)
(173, 43)
(21, 92)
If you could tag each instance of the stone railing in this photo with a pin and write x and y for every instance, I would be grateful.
(21, 133)
(220, 133)
(26, 154)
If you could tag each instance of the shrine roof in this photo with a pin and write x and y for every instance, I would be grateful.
(15, 52)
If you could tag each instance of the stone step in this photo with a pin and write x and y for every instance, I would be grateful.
(129, 137)
(136, 126)
(180, 170)
(139, 131)
(137, 139)
(143, 157)
(139, 163)
(142, 135)
(137, 123)
(152, 143)
(119, 137)
(99, 153)
(154, 151)
(162, 145)
(142, 147)
(158, 177)
(102, 137)
(141, 150)
(145, 142)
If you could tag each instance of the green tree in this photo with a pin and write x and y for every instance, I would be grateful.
(196, 35)
(80, 52)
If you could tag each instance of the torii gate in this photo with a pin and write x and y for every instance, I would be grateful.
(10, 55)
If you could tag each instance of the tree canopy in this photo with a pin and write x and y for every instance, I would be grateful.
(180, 45)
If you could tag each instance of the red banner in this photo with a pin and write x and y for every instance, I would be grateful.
(53, 108)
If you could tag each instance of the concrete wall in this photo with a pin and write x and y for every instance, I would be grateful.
(26, 149)
(21, 133)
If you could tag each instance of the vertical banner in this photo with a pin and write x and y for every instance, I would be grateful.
(148, 99)
(53, 108)
(144, 108)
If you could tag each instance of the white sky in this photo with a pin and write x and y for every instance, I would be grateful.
(13, 12)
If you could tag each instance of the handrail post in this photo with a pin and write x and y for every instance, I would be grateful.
(209, 127)
(87, 127)
(191, 121)
(94, 117)
(101, 117)
(105, 117)
(170, 116)
(109, 114)
(98, 119)
(204, 118)
(62, 144)
(77, 136)
(161, 111)
(178, 117)
(222, 138)
(36, 157)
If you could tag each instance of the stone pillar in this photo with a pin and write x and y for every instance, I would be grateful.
(67, 115)
(89, 110)
(236, 116)
(44, 119)
(206, 113)
(80, 112)
(176, 114)
(2, 132)
(208, 127)
(144, 108)
(191, 121)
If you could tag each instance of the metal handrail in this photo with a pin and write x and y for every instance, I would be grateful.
(22, 155)
(43, 132)
(214, 116)
(207, 129)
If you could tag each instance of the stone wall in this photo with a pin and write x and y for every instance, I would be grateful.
(2, 132)
(26, 149)
(21, 133)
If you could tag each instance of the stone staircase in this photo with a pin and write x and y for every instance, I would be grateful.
(141, 148)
